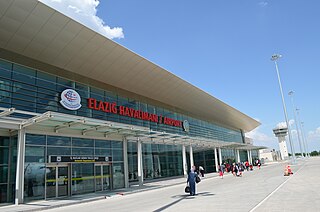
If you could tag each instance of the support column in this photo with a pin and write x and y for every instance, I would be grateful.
(184, 161)
(191, 156)
(125, 162)
(237, 155)
(251, 162)
(140, 164)
(216, 159)
(19, 189)
(248, 155)
(220, 157)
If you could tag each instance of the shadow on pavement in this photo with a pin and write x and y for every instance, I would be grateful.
(182, 197)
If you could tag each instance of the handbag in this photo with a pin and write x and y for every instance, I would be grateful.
(187, 189)
(198, 179)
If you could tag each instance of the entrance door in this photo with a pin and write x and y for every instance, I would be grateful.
(102, 177)
(57, 181)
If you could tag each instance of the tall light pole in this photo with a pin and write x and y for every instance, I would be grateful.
(305, 138)
(296, 122)
(274, 58)
(302, 134)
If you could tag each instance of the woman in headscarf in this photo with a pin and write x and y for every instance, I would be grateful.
(192, 180)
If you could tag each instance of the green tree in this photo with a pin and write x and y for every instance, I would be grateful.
(314, 153)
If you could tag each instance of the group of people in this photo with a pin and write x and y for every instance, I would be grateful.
(237, 168)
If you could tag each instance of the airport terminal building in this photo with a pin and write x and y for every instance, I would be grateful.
(80, 113)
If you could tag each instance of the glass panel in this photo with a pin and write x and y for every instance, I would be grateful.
(62, 181)
(23, 74)
(82, 151)
(3, 193)
(82, 142)
(118, 176)
(102, 144)
(106, 177)
(5, 69)
(83, 178)
(4, 141)
(34, 181)
(4, 174)
(35, 154)
(58, 141)
(36, 139)
(4, 155)
(98, 178)
(51, 182)
(58, 151)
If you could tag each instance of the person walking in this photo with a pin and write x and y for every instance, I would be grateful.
(221, 170)
(201, 170)
(192, 180)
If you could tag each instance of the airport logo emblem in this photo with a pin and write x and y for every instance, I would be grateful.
(185, 126)
(70, 99)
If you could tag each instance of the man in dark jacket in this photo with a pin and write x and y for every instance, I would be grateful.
(192, 180)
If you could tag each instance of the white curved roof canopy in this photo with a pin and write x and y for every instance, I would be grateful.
(32, 29)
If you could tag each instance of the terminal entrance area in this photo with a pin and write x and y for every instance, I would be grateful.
(103, 177)
(71, 179)
(57, 181)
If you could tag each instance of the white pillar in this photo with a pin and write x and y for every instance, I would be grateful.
(248, 155)
(140, 163)
(184, 161)
(125, 163)
(251, 162)
(20, 167)
(191, 156)
(216, 159)
(237, 155)
(220, 156)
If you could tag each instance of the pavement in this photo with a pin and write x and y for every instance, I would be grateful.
(260, 190)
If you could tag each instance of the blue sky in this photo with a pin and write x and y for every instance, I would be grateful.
(224, 48)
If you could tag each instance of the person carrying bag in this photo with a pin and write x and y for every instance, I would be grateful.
(191, 181)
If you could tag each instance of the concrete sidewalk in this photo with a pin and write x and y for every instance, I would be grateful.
(78, 199)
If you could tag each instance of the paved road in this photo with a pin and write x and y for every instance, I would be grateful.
(261, 190)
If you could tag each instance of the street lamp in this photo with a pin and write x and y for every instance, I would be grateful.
(302, 133)
(305, 139)
(274, 58)
(296, 122)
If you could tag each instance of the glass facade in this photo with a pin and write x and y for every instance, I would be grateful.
(204, 159)
(8, 159)
(228, 156)
(243, 155)
(159, 161)
(33, 90)
(40, 175)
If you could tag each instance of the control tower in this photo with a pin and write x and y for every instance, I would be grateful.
(280, 133)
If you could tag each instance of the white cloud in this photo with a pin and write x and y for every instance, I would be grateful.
(312, 135)
(85, 12)
(263, 3)
(261, 139)
(284, 124)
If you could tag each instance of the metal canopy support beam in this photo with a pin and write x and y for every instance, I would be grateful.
(184, 161)
(191, 156)
(125, 163)
(69, 124)
(220, 157)
(19, 189)
(36, 119)
(140, 165)
(216, 159)
(237, 156)
(7, 112)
